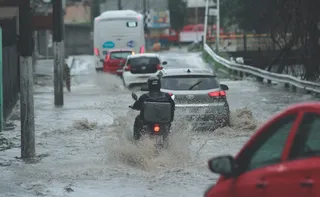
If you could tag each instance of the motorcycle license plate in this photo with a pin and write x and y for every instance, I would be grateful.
(158, 139)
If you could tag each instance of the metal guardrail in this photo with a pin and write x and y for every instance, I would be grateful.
(282, 78)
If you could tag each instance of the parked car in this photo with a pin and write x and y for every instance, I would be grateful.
(139, 67)
(199, 96)
(280, 159)
(115, 60)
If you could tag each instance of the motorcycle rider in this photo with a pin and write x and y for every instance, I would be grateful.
(154, 86)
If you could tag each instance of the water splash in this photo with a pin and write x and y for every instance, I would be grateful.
(185, 144)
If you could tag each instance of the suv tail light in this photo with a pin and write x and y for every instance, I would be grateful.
(170, 93)
(96, 52)
(217, 94)
(127, 68)
(142, 49)
(159, 67)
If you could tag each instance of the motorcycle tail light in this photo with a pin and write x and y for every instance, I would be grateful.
(156, 128)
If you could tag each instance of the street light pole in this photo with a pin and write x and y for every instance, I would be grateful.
(119, 4)
(205, 23)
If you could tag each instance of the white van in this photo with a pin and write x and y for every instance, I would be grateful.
(118, 29)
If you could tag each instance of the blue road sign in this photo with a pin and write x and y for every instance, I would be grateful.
(130, 44)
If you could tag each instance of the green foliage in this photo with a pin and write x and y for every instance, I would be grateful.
(178, 12)
(95, 9)
(250, 15)
(208, 59)
(290, 23)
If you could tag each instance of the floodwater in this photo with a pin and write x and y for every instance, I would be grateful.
(86, 147)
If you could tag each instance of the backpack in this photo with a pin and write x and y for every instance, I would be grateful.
(160, 97)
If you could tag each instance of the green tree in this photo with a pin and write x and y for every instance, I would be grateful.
(291, 24)
(178, 12)
(250, 15)
(95, 8)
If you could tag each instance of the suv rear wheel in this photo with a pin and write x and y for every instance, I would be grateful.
(99, 69)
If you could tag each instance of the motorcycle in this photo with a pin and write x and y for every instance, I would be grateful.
(155, 129)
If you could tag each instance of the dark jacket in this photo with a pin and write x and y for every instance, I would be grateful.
(157, 96)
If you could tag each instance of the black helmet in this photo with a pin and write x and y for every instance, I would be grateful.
(154, 84)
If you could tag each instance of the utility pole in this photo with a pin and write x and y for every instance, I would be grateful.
(95, 10)
(196, 22)
(47, 34)
(196, 15)
(26, 81)
(218, 26)
(144, 5)
(1, 85)
(64, 5)
(119, 4)
(205, 23)
(58, 51)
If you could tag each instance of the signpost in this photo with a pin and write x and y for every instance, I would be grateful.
(218, 26)
(213, 12)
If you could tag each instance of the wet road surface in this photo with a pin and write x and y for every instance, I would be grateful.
(85, 148)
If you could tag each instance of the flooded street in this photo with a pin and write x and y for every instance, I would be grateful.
(85, 148)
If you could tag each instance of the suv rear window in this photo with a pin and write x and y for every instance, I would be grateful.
(120, 54)
(143, 61)
(186, 82)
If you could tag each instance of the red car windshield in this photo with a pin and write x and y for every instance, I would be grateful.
(120, 54)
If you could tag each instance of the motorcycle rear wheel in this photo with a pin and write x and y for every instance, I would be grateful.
(137, 135)
(164, 143)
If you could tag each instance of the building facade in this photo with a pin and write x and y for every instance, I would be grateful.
(157, 12)
(137, 5)
(196, 10)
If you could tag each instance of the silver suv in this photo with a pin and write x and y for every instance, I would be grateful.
(200, 98)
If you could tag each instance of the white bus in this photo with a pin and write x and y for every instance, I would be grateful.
(118, 29)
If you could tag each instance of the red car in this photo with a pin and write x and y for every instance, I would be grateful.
(281, 159)
(115, 60)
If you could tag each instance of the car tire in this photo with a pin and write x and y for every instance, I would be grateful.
(226, 121)
(222, 122)
(136, 135)
(98, 70)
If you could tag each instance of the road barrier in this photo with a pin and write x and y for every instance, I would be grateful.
(288, 80)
